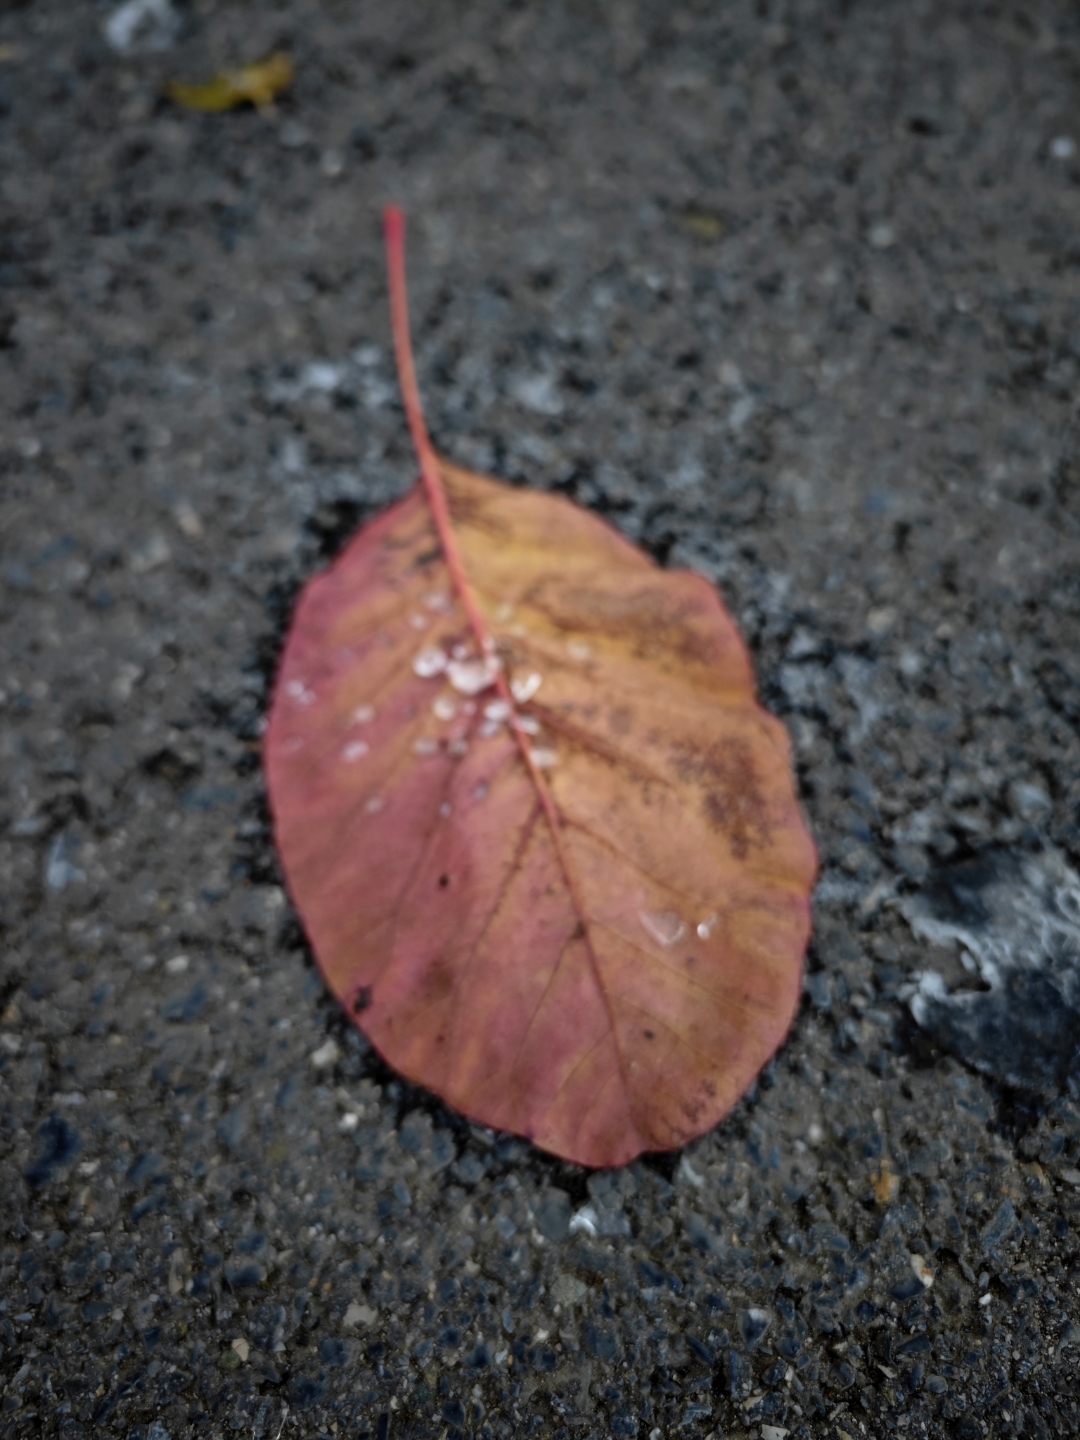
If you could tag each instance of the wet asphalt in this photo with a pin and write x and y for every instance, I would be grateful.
(791, 294)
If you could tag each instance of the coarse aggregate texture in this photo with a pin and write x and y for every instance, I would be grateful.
(790, 292)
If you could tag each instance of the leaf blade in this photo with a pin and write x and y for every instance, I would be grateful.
(585, 1086)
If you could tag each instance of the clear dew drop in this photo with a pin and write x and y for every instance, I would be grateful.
(542, 757)
(374, 803)
(666, 927)
(489, 729)
(504, 612)
(444, 708)
(446, 809)
(425, 746)
(528, 724)
(419, 622)
(458, 746)
(579, 650)
(480, 792)
(355, 750)
(430, 662)
(707, 926)
(293, 744)
(524, 687)
(298, 691)
(497, 710)
(362, 715)
(438, 601)
(460, 651)
(469, 677)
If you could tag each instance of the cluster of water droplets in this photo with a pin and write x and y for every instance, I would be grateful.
(469, 676)
(667, 927)
(299, 693)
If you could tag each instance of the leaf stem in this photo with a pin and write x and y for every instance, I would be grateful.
(431, 476)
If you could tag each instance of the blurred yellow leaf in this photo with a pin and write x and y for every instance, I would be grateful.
(258, 84)
(702, 225)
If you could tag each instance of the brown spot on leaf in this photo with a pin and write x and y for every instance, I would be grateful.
(437, 983)
(731, 795)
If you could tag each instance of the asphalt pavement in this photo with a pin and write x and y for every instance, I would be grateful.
(790, 293)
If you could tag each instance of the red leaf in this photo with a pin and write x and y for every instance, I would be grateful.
(543, 839)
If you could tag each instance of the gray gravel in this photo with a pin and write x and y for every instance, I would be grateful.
(788, 291)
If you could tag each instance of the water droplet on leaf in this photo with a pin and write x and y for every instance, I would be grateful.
(374, 803)
(524, 687)
(425, 746)
(363, 715)
(666, 927)
(579, 650)
(444, 708)
(298, 691)
(707, 926)
(543, 758)
(469, 677)
(355, 750)
(419, 622)
(429, 662)
(498, 710)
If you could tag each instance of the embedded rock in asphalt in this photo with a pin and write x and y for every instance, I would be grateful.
(788, 294)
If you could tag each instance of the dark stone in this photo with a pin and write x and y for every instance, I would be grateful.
(553, 1215)
(1000, 1226)
(305, 1391)
(60, 1145)
(244, 1275)
(600, 1340)
(147, 1167)
(333, 1352)
(186, 1008)
(752, 1326)
(700, 1351)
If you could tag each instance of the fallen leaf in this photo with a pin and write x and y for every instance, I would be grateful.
(703, 225)
(544, 841)
(259, 84)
